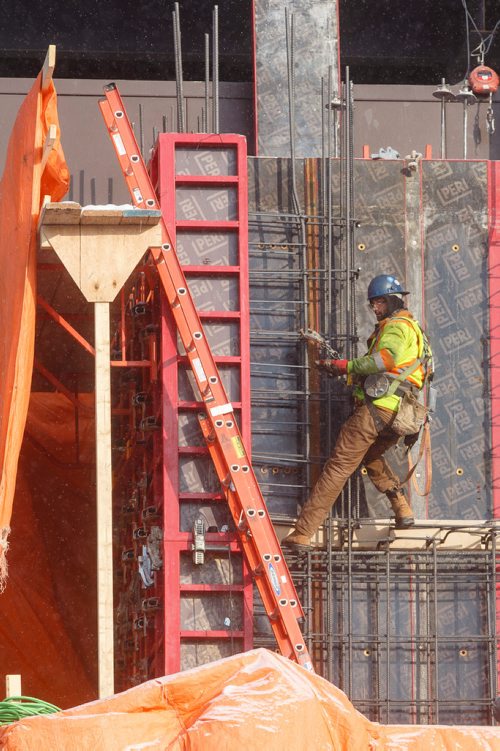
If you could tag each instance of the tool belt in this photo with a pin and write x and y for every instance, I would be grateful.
(411, 413)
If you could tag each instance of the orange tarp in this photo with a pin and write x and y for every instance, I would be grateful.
(22, 188)
(258, 700)
(48, 618)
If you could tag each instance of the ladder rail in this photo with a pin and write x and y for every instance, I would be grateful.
(246, 503)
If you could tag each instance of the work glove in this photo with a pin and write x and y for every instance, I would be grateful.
(335, 367)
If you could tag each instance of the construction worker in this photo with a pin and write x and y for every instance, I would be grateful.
(398, 349)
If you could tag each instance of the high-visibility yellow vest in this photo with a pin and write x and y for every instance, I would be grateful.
(396, 343)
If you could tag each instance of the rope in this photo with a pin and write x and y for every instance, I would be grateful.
(425, 446)
(15, 708)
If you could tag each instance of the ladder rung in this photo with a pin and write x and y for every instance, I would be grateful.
(206, 179)
(212, 588)
(211, 634)
(211, 270)
(202, 225)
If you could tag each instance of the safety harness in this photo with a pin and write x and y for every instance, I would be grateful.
(399, 387)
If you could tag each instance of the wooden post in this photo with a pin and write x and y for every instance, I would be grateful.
(13, 685)
(100, 248)
(104, 506)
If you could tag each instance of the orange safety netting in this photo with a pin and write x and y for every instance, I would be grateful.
(23, 185)
(258, 700)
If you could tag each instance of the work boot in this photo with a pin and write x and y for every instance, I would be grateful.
(401, 508)
(296, 542)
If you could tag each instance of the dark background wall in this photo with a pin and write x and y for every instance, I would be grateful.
(383, 41)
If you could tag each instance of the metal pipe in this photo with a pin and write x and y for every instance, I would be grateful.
(215, 69)
(178, 68)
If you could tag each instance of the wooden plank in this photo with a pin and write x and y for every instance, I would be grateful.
(48, 66)
(101, 216)
(13, 685)
(449, 534)
(104, 501)
(60, 213)
(50, 140)
(118, 215)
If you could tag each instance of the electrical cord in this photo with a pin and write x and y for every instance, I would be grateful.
(15, 708)
(484, 46)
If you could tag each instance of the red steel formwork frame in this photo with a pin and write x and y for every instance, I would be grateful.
(494, 370)
(176, 542)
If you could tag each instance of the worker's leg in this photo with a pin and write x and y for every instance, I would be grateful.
(355, 438)
(378, 470)
(385, 480)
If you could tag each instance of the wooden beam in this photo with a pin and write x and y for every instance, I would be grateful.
(104, 501)
(48, 66)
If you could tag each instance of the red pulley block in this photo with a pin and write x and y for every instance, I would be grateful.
(483, 80)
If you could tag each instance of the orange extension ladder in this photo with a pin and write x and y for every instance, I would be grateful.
(246, 503)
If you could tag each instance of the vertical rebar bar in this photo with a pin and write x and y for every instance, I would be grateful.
(388, 638)
(492, 624)
(309, 608)
(207, 83)
(215, 69)
(349, 591)
(376, 632)
(329, 259)
(427, 642)
(465, 118)
(141, 129)
(348, 209)
(436, 628)
(443, 123)
(329, 603)
(289, 32)
(490, 617)
(178, 68)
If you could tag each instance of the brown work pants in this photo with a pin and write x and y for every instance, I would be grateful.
(358, 443)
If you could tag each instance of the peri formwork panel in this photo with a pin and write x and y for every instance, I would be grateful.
(455, 239)
(314, 50)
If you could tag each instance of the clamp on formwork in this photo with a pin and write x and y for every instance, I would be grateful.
(246, 503)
